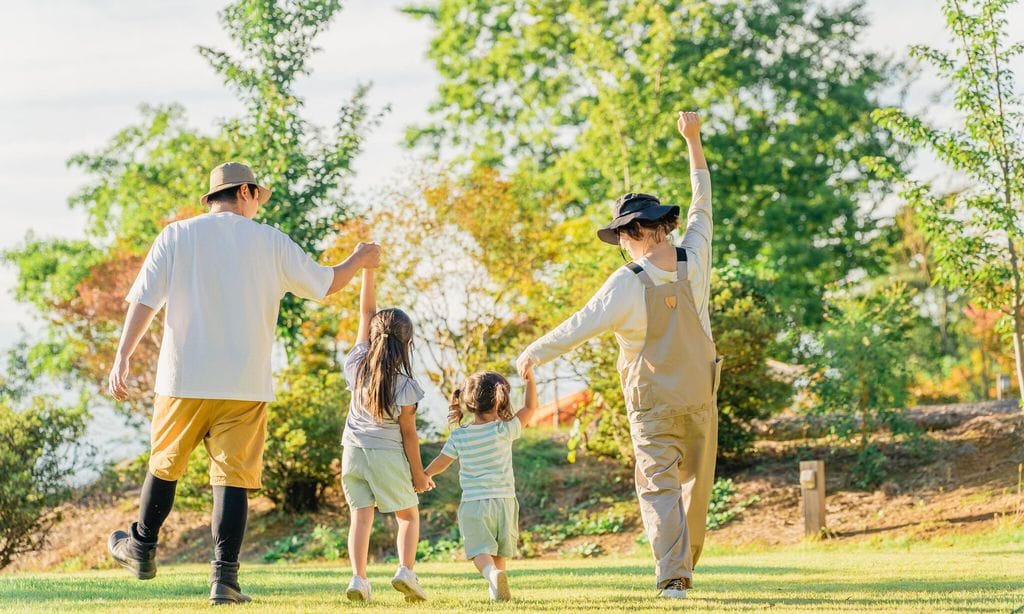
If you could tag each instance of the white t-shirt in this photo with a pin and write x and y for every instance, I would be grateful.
(619, 305)
(222, 277)
(361, 430)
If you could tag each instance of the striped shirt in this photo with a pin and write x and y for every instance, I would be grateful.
(484, 452)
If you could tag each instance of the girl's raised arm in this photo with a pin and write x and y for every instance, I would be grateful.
(367, 306)
(526, 412)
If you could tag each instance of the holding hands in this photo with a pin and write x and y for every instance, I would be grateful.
(368, 255)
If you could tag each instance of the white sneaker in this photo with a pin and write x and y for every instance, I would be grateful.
(497, 586)
(358, 590)
(675, 590)
(406, 583)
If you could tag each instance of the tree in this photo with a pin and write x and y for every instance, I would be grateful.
(152, 173)
(977, 233)
(582, 91)
(860, 371)
(461, 258)
(40, 451)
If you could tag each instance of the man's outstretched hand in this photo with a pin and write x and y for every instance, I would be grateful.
(689, 125)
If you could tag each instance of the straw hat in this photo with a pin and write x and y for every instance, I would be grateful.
(231, 174)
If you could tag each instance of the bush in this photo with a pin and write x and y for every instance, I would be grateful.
(861, 373)
(304, 437)
(40, 450)
(747, 328)
(722, 510)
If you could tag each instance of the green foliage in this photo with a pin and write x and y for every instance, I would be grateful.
(585, 94)
(585, 550)
(747, 329)
(322, 543)
(723, 509)
(40, 451)
(860, 372)
(444, 549)
(304, 434)
(977, 232)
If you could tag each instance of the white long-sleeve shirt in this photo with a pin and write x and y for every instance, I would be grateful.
(619, 305)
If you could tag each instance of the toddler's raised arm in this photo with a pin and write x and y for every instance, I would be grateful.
(526, 412)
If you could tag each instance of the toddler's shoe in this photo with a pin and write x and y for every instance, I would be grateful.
(358, 590)
(497, 585)
(674, 590)
(406, 583)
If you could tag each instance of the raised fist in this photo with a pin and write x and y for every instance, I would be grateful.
(688, 124)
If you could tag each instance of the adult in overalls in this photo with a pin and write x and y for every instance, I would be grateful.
(657, 307)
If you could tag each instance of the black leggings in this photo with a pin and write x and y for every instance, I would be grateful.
(154, 505)
(230, 513)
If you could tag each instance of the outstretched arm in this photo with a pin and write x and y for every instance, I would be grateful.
(527, 411)
(411, 444)
(367, 305)
(439, 464)
(136, 323)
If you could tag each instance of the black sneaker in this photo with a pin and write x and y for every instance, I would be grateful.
(132, 553)
(675, 589)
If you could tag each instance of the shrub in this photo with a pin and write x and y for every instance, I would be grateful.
(747, 328)
(860, 372)
(304, 437)
(722, 510)
(40, 451)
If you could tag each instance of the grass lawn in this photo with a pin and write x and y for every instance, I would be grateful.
(975, 573)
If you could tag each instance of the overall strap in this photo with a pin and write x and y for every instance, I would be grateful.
(681, 272)
(645, 279)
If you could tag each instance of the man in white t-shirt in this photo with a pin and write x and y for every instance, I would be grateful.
(220, 278)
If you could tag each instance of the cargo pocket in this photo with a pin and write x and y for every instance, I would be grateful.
(716, 376)
(641, 397)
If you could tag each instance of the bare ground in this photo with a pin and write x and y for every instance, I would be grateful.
(964, 479)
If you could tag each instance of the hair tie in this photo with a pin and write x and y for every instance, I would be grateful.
(384, 334)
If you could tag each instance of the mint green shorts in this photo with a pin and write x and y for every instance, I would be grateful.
(490, 526)
(372, 476)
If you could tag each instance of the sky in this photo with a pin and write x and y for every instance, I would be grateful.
(75, 72)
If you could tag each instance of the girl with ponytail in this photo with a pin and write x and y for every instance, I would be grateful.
(489, 512)
(380, 465)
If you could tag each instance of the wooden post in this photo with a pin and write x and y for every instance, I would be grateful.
(812, 487)
(1002, 386)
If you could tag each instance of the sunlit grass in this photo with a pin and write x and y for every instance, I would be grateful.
(972, 573)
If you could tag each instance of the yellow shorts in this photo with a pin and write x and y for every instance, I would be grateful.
(233, 431)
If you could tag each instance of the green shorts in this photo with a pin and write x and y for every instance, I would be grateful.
(378, 477)
(490, 526)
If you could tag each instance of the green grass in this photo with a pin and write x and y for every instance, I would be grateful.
(976, 573)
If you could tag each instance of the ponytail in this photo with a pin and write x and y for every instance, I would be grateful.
(455, 414)
(502, 402)
(389, 355)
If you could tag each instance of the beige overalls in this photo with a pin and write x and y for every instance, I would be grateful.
(670, 390)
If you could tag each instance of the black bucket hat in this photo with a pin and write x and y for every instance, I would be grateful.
(634, 206)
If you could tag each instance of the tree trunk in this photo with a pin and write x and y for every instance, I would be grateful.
(1018, 352)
